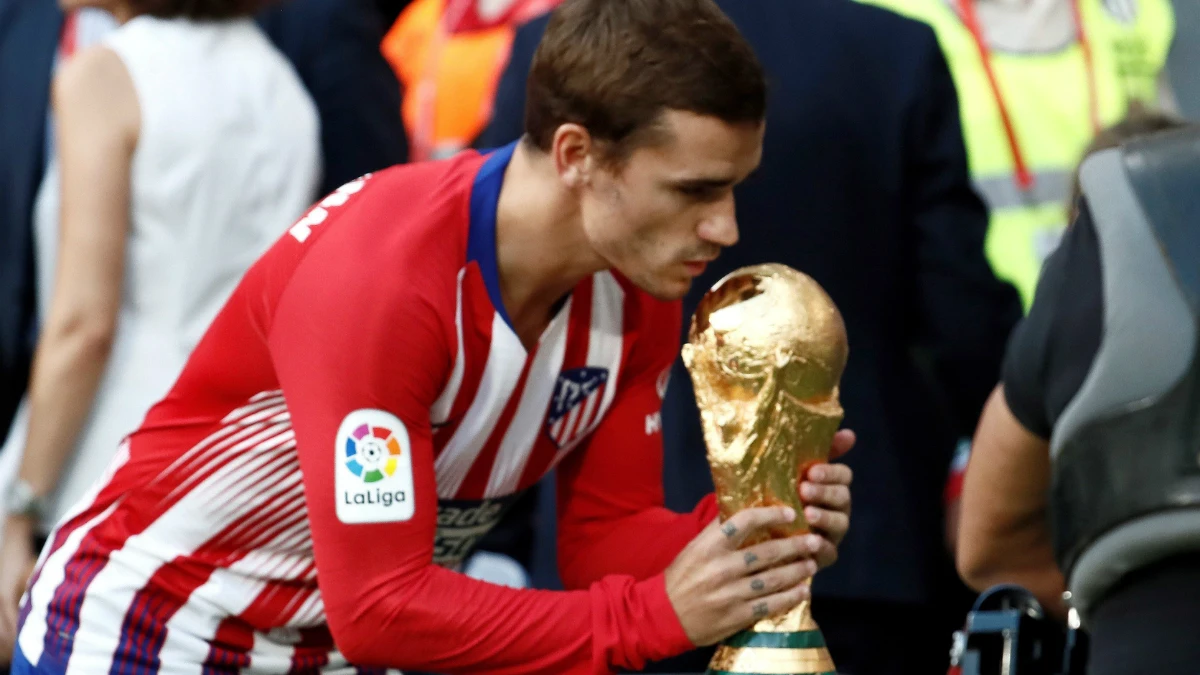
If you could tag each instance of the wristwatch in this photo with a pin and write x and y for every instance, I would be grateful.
(22, 500)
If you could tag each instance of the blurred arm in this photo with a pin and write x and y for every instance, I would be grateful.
(1004, 530)
(98, 118)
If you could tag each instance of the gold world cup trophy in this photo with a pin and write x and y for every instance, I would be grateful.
(765, 351)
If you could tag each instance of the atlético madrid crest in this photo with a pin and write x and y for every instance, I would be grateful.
(575, 404)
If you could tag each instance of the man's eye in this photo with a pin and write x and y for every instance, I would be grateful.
(698, 192)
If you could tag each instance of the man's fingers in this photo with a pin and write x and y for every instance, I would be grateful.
(836, 497)
(776, 579)
(826, 550)
(743, 523)
(769, 554)
(830, 474)
(843, 440)
(776, 603)
(828, 520)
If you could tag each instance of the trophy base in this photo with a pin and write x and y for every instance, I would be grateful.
(750, 653)
(790, 644)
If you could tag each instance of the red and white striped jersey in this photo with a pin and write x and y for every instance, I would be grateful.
(357, 416)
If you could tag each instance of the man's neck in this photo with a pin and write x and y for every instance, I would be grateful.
(541, 249)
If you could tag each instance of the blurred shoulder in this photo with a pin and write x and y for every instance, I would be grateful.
(406, 212)
(96, 83)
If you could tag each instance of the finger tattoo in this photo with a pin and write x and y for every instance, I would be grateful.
(760, 610)
(729, 530)
(757, 585)
(750, 558)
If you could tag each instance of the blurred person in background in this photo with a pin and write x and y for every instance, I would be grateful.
(184, 145)
(360, 128)
(1083, 475)
(1139, 122)
(864, 186)
(31, 30)
(1037, 79)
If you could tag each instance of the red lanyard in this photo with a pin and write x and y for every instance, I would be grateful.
(971, 19)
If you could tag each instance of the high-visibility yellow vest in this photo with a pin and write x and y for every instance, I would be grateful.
(1048, 102)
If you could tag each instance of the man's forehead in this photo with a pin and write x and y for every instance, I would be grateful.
(702, 146)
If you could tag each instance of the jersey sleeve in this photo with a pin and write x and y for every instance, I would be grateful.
(1052, 349)
(611, 513)
(360, 353)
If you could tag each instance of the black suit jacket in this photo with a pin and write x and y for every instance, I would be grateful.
(28, 37)
(334, 47)
(863, 186)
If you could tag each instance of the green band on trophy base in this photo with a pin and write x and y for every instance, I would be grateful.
(798, 640)
(754, 652)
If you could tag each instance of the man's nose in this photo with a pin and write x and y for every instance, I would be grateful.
(720, 224)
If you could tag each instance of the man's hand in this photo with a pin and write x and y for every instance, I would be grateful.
(825, 492)
(718, 590)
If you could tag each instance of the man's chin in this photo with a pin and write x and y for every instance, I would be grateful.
(668, 290)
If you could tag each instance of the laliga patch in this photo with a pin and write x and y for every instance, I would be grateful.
(373, 479)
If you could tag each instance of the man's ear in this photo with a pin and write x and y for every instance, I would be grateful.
(571, 150)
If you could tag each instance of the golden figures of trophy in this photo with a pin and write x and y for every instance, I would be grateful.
(765, 352)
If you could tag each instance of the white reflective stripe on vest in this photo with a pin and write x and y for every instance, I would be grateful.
(1001, 191)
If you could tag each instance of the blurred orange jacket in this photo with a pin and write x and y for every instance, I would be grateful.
(449, 55)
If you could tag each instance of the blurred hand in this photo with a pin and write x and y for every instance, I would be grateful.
(825, 491)
(718, 590)
(17, 560)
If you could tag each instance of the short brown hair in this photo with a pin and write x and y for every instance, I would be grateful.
(613, 66)
(200, 9)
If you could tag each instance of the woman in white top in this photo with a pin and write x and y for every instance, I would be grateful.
(185, 146)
